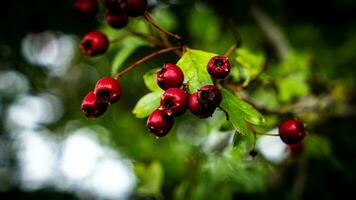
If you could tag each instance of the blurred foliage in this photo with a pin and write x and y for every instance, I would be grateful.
(207, 159)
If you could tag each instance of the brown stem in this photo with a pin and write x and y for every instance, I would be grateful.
(152, 55)
(269, 134)
(231, 49)
(155, 24)
(226, 113)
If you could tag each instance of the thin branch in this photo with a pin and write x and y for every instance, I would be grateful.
(152, 55)
(226, 113)
(155, 24)
(121, 37)
(230, 50)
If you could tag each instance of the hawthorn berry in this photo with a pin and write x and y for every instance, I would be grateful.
(85, 9)
(108, 89)
(170, 76)
(94, 43)
(198, 108)
(209, 95)
(291, 131)
(116, 20)
(135, 8)
(174, 102)
(159, 123)
(92, 107)
(219, 67)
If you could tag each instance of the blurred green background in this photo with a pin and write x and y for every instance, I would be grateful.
(49, 150)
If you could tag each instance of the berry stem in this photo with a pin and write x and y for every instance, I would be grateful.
(149, 18)
(152, 55)
(225, 112)
(230, 50)
(268, 134)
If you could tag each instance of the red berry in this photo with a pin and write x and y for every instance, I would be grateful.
(291, 131)
(94, 43)
(116, 20)
(198, 108)
(135, 8)
(219, 67)
(108, 89)
(174, 102)
(209, 94)
(85, 9)
(159, 124)
(170, 76)
(93, 107)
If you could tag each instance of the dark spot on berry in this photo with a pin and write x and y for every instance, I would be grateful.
(219, 62)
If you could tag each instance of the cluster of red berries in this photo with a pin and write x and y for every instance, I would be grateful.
(116, 14)
(116, 11)
(175, 101)
(107, 91)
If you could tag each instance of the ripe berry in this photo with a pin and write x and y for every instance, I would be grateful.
(158, 123)
(108, 89)
(174, 102)
(291, 131)
(209, 95)
(93, 107)
(116, 20)
(198, 108)
(135, 8)
(85, 9)
(94, 43)
(170, 76)
(219, 67)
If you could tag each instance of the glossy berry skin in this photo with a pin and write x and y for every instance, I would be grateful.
(158, 123)
(210, 95)
(198, 108)
(93, 107)
(135, 8)
(219, 67)
(108, 89)
(291, 131)
(85, 9)
(116, 20)
(94, 43)
(170, 76)
(174, 102)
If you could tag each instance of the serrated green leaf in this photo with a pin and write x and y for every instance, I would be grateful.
(241, 113)
(151, 178)
(147, 104)
(193, 64)
(150, 80)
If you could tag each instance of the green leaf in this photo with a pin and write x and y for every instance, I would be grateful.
(241, 113)
(193, 64)
(150, 177)
(150, 80)
(251, 63)
(147, 104)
